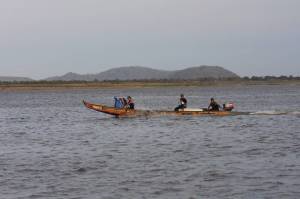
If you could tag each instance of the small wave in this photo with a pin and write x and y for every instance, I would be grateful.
(81, 170)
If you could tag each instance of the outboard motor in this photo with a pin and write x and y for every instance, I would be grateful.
(228, 106)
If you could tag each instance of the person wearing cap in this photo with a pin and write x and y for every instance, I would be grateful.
(182, 103)
(130, 102)
(213, 106)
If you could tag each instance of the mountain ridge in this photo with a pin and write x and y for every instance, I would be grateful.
(139, 73)
(15, 78)
(146, 73)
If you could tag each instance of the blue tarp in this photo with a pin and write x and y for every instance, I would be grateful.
(118, 103)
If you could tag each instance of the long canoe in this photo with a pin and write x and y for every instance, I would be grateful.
(121, 112)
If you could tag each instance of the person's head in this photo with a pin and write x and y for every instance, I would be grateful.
(212, 99)
(128, 97)
(181, 95)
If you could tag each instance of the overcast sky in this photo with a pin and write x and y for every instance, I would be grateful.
(41, 38)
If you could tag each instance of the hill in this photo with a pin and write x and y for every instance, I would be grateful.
(144, 73)
(71, 77)
(12, 79)
(203, 72)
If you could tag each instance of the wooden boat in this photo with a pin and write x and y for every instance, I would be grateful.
(121, 112)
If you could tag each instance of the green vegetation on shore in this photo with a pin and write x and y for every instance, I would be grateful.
(56, 85)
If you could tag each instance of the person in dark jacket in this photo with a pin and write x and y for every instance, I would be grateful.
(130, 102)
(213, 106)
(182, 103)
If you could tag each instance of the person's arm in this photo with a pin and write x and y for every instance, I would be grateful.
(180, 101)
(209, 106)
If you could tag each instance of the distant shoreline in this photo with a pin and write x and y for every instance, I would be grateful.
(23, 86)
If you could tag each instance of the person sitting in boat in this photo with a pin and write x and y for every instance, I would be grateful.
(120, 102)
(182, 103)
(213, 106)
(130, 103)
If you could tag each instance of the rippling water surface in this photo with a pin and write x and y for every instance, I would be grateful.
(51, 146)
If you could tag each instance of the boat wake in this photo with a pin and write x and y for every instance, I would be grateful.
(275, 112)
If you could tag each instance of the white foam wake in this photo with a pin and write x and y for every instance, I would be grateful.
(275, 112)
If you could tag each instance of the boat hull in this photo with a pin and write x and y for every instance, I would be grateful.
(123, 112)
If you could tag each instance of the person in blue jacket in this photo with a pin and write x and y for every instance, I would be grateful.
(120, 102)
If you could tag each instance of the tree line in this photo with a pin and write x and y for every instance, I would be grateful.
(246, 78)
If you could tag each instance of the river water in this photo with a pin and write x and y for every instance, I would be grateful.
(51, 146)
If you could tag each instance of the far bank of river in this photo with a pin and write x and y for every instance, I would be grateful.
(27, 86)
